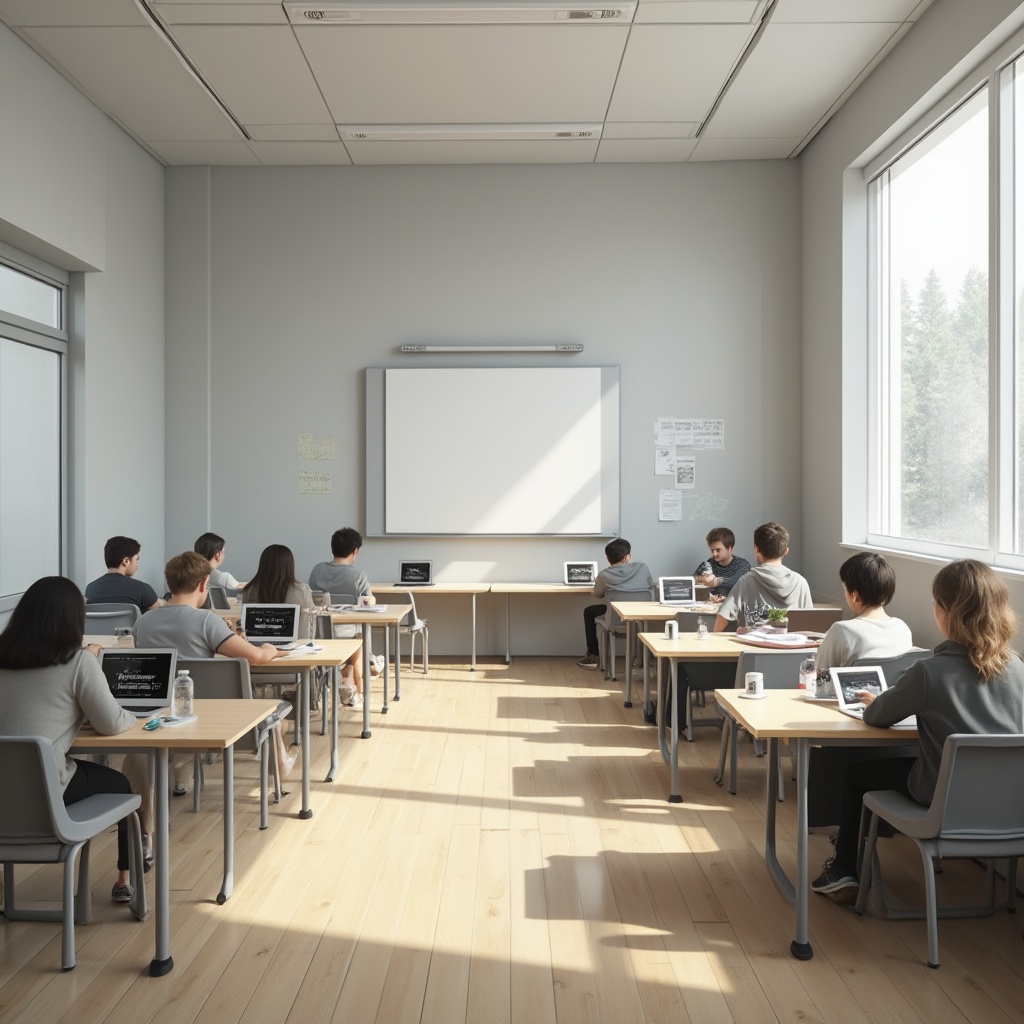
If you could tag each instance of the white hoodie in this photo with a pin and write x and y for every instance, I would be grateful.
(766, 586)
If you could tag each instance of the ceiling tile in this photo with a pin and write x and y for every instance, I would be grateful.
(221, 13)
(744, 149)
(258, 71)
(649, 129)
(562, 151)
(793, 75)
(293, 132)
(137, 78)
(304, 153)
(696, 11)
(22, 13)
(465, 74)
(644, 151)
(223, 154)
(674, 73)
(841, 10)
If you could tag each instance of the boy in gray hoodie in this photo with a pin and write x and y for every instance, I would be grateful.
(622, 574)
(768, 585)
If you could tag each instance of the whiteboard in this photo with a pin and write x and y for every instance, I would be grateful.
(493, 451)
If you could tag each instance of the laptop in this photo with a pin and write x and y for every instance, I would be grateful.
(677, 590)
(415, 573)
(579, 574)
(276, 624)
(140, 677)
(219, 598)
(849, 680)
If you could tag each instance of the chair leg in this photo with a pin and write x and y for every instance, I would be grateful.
(865, 864)
(264, 781)
(930, 908)
(426, 652)
(67, 942)
(197, 781)
(139, 906)
(83, 900)
(723, 750)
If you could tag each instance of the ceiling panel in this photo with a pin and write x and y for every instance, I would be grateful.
(644, 151)
(221, 154)
(696, 11)
(258, 71)
(136, 77)
(674, 72)
(843, 10)
(563, 151)
(71, 12)
(649, 129)
(464, 74)
(293, 132)
(743, 149)
(305, 153)
(794, 74)
(220, 13)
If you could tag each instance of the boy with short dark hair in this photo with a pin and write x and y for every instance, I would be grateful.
(622, 573)
(768, 585)
(211, 547)
(724, 569)
(118, 585)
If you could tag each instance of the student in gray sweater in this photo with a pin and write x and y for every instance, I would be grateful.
(49, 684)
(973, 684)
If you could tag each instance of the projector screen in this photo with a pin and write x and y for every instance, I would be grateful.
(489, 451)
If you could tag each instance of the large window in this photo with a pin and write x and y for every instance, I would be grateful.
(33, 344)
(946, 329)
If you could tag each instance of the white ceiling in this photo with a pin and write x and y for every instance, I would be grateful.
(682, 80)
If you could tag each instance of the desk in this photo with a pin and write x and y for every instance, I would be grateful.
(472, 589)
(717, 647)
(645, 612)
(221, 723)
(386, 616)
(786, 715)
(508, 589)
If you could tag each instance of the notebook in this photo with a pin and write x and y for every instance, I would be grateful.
(140, 677)
(579, 574)
(416, 573)
(276, 624)
(677, 590)
(219, 599)
(851, 679)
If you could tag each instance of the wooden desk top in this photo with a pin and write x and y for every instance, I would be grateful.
(334, 653)
(787, 713)
(390, 615)
(717, 647)
(220, 724)
(539, 588)
(434, 588)
(653, 611)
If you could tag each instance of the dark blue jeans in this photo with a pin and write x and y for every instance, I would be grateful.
(590, 614)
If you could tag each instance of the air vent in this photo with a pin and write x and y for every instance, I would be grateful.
(409, 12)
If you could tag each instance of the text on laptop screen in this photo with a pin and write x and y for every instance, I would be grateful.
(580, 573)
(414, 572)
(677, 589)
(270, 620)
(143, 674)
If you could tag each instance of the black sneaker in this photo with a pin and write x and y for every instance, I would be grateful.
(588, 661)
(835, 879)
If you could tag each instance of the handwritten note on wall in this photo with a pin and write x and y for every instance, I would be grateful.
(315, 447)
(311, 482)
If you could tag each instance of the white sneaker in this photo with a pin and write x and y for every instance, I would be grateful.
(346, 692)
(378, 662)
(355, 701)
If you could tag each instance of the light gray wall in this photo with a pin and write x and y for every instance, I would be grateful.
(283, 284)
(951, 36)
(76, 191)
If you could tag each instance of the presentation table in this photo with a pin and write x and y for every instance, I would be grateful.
(472, 589)
(366, 618)
(508, 589)
(788, 715)
(218, 726)
(646, 612)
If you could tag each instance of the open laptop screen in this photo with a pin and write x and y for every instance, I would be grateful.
(579, 574)
(138, 674)
(263, 622)
(677, 590)
(415, 573)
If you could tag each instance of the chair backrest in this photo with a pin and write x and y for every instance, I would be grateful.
(32, 810)
(978, 795)
(781, 669)
(614, 594)
(817, 620)
(345, 631)
(414, 623)
(343, 598)
(107, 622)
(113, 606)
(893, 668)
(221, 679)
(323, 627)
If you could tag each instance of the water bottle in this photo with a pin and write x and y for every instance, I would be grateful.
(184, 691)
(807, 676)
(702, 629)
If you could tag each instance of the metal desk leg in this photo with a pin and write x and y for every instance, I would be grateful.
(800, 947)
(650, 715)
(398, 658)
(162, 962)
(627, 686)
(304, 718)
(365, 734)
(472, 664)
(508, 628)
(387, 658)
(674, 797)
(229, 825)
(771, 855)
(670, 745)
(335, 679)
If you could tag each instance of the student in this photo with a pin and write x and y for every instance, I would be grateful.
(195, 632)
(49, 684)
(340, 576)
(974, 683)
(118, 584)
(622, 573)
(211, 547)
(725, 569)
(769, 585)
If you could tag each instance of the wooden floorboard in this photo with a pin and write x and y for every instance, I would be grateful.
(501, 850)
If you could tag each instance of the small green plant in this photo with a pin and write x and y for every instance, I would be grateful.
(777, 616)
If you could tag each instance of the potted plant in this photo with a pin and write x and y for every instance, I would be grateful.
(778, 619)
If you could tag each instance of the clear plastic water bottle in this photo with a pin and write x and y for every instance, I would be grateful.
(183, 695)
(807, 679)
(702, 629)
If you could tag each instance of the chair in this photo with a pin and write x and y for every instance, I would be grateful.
(106, 622)
(970, 816)
(610, 626)
(228, 678)
(36, 828)
(814, 620)
(345, 631)
(416, 627)
(893, 668)
(114, 606)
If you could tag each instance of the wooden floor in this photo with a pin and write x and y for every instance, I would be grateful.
(501, 850)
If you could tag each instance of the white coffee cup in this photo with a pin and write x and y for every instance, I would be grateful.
(754, 683)
(364, 601)
(671, 630)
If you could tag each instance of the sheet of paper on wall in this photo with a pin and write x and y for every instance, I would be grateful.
(311, 482)
(689, 433)
(315, 447)
(664, 460)
(686, 472)
(670, 506)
